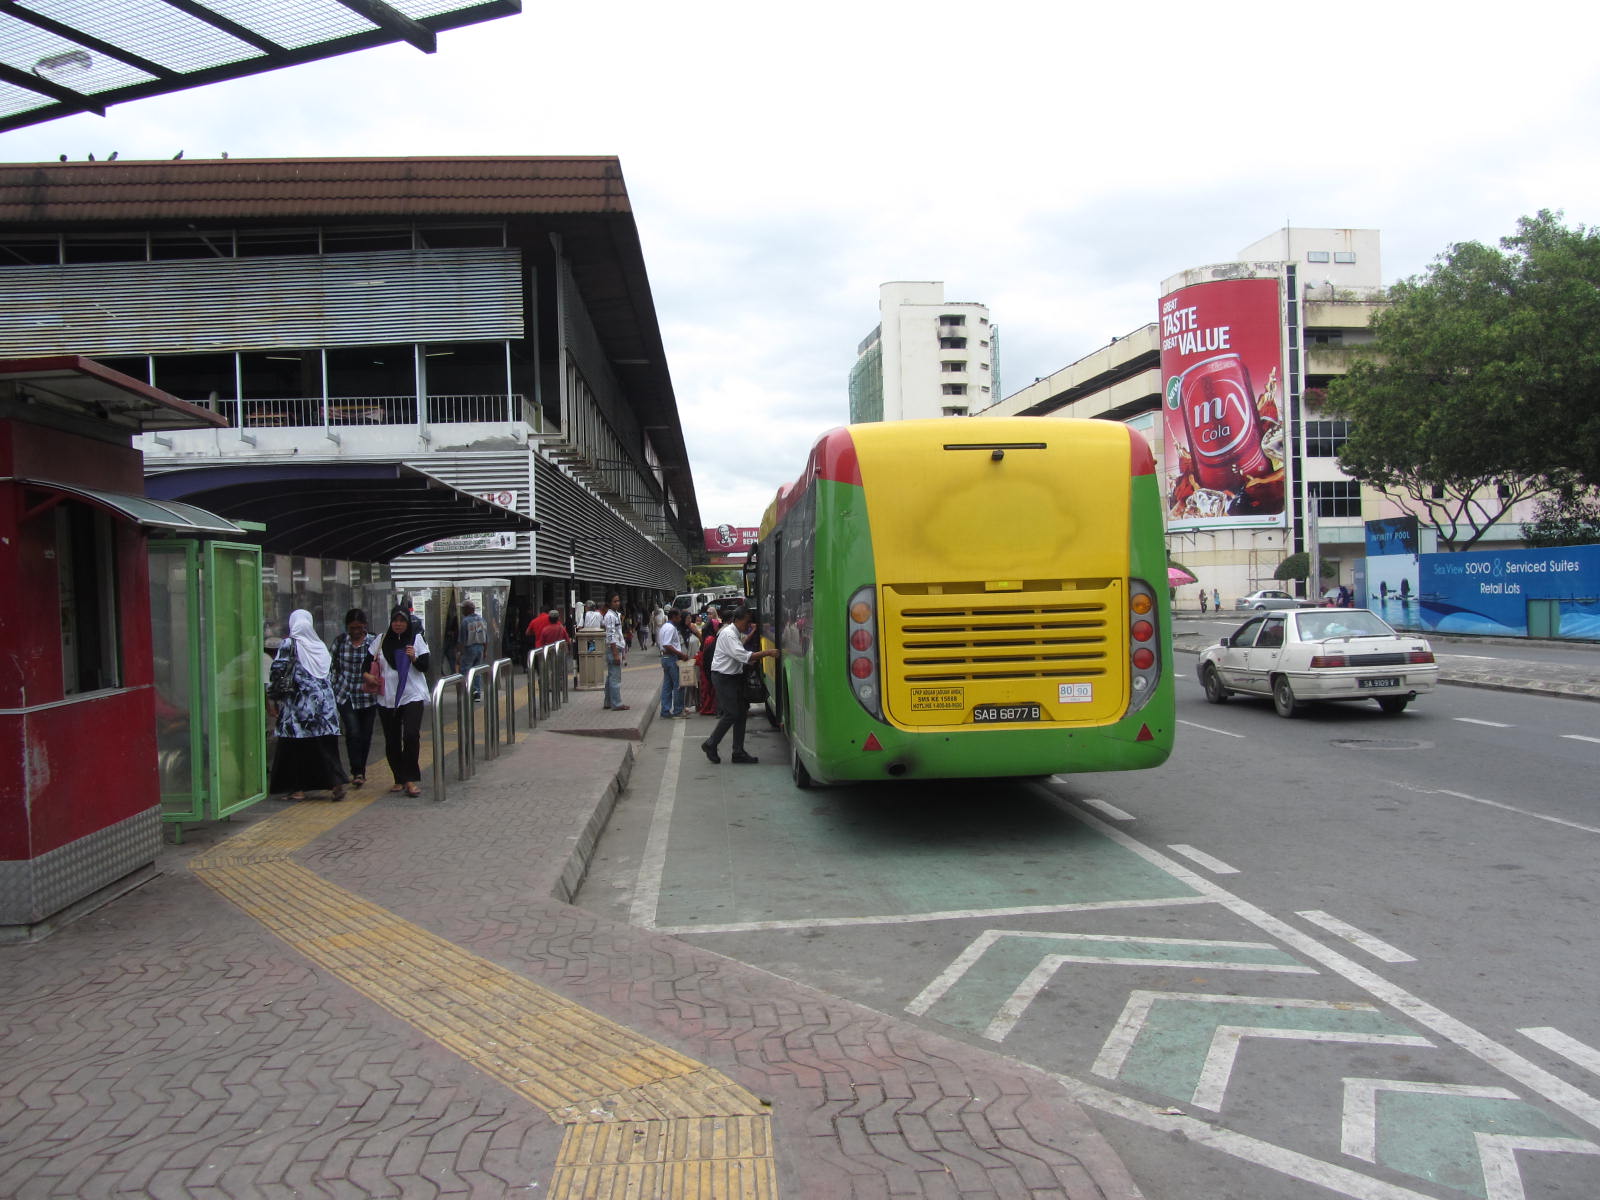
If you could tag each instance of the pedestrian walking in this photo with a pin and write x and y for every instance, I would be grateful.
(616, 654)
(353, 651)
(474, 645)
(669, 637)
(402, 666)
(1216, 599)
(1202, 602)
(727, 674)
(307, 754)
(689, 670)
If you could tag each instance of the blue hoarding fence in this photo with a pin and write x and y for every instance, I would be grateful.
(1514, 593)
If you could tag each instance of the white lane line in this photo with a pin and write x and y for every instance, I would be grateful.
(962, 914)
(1585, 1056)
(1578, 737)
(1208, 729)
(1522, 812)
(647, 895)
(1215, 865)
(1108, 810)
(1376, 947)
(1475, 721)
(1503, 1059)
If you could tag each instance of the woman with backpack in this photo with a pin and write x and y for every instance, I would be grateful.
(307, 754)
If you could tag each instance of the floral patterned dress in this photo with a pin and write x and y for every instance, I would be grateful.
(307, 753)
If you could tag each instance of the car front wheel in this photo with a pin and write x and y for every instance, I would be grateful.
(1283, 697)
(1212, 682)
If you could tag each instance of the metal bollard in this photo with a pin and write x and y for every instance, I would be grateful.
(474, 678)
(438, 733)
(491, 708)
(533, 690)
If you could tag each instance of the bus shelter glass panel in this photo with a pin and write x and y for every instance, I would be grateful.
(237, 700)
(175, 639)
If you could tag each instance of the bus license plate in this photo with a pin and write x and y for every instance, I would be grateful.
(988, 713)
(1380, 681)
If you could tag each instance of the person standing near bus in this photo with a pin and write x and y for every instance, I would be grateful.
(669, 637)
(616, 652)
(727, 674)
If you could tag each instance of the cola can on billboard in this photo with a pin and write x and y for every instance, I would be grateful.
(1221, 423)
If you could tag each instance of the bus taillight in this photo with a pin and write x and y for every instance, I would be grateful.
(861, 637)
(1144, 657)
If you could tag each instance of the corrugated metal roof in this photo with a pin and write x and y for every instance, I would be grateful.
(254, 189)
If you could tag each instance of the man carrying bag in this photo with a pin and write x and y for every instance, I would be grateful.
(727, 675)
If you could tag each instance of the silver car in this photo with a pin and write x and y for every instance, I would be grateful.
(1319, 654)
(1268, 598)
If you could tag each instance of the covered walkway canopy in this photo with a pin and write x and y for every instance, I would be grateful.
(364, 512)
(60, 59)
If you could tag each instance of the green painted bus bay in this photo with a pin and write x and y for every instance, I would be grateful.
(968, 599)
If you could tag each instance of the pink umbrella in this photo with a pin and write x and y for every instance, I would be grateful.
(1177, 576)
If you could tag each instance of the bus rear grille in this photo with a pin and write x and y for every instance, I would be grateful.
(936, 643)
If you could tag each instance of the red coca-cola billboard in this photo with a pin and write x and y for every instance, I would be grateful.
(1221, 374)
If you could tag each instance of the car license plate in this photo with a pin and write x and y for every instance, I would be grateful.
(989, 713)
(1379, 681)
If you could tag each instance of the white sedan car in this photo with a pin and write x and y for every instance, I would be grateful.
(1319, 654)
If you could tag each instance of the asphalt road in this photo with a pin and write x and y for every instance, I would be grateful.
(1344, 955)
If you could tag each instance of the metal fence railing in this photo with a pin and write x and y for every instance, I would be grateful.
(313, 411)
(549, 685)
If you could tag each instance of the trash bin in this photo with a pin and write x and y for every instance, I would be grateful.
(591, 660)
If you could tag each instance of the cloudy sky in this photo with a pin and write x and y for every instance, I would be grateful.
(1055, 162)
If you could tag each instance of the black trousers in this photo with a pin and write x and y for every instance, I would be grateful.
(357, 724)
(402, 740)
(731, 710)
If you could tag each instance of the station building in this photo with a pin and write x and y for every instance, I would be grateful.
(477, 324)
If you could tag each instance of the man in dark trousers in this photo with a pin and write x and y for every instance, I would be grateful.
(727, 675)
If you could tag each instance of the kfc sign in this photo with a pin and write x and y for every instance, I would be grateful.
(732, 539)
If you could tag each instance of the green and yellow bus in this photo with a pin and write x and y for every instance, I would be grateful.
(968, 598)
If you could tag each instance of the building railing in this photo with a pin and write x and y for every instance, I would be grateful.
(314, 411)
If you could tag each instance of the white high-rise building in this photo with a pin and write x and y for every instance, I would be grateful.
(928, 357)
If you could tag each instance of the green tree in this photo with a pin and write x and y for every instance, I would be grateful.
(1298, 566)
(1567, 518)
(1478, 389)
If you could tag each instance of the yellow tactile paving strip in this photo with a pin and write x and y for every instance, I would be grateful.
(642, 1120)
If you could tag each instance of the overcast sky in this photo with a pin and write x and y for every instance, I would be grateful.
(1052, 162)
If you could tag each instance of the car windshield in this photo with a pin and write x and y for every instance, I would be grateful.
(1345, 622)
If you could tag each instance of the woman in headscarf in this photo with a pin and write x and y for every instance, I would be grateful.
(307, 756)
(402, 662)
(708, 650)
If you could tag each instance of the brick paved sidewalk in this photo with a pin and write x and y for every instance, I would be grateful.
(170, 1045)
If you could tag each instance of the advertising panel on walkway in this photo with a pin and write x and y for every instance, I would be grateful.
(1221, 353)
(1516, 593)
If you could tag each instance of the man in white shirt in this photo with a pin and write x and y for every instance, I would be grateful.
(727, 673)
(670, 638)
(616, 651)
(591, 616)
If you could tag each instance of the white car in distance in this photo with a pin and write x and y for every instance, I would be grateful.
(1319, 654)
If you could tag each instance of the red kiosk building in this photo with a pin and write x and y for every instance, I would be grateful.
(80, 807)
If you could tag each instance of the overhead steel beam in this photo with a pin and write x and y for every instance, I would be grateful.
(76, 101)
(396, 22)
